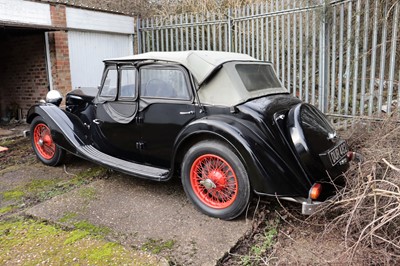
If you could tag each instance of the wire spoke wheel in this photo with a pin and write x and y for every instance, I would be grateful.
(214, 181)
(45, 148)
(43, 141)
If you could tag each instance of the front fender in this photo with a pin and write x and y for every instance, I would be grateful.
(265, 161)
(67, 130)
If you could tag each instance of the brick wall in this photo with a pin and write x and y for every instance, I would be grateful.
(22, 72)
(59, 51)
(59, 56)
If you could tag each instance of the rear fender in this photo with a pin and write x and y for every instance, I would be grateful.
(67, 130)
(248, 143)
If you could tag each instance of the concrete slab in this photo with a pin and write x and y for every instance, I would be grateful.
(13, 130)
(140, 212)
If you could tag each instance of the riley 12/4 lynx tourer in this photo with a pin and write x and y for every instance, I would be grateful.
(222, 122)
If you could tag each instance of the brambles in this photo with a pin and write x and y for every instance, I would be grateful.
(367, 210)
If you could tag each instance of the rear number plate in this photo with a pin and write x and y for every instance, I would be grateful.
(337, 153)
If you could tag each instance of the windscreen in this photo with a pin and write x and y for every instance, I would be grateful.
(257, 76)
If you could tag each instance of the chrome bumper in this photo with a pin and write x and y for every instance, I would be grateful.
(308, 206)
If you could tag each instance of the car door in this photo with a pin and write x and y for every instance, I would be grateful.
(114, 128)
(166, 107)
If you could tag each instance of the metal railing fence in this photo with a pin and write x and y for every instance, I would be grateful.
(342, 56)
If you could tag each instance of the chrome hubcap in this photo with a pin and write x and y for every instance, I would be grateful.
(208, 183)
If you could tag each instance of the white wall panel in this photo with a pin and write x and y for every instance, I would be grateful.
(99, 21)
(87, 50)
(24, 12)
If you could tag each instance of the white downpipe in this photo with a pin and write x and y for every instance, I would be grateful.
(48, 61)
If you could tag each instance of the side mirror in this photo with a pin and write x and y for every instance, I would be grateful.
(54, 97)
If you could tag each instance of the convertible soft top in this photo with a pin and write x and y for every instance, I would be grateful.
(225, 88)
(200, 63)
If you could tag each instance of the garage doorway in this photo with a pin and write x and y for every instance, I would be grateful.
(23, 75)
(87, 50)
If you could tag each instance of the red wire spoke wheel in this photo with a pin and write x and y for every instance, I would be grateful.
(214, 181)
(43, 141)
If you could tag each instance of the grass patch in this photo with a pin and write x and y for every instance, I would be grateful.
(40, 184)
(75, 236)
(7, 142)
(88, 193)
(7, 209)
(83, 228)
(68, 217)
(265, 242)
(91, 228)
(39, 190)
(103, 253)
(29, 242)
(14, 195)
(155, 246)
(92, 172)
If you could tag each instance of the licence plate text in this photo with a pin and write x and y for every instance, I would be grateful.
(337, 153)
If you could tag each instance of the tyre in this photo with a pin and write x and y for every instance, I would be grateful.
(215, 180)
(42, 143)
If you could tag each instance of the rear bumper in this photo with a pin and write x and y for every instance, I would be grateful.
(308, 206)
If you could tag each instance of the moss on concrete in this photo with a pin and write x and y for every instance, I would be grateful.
(13, 195)
(155, 246)
(29, 242)
(67, 217)
(7, 209)
(88, 193)
(39, 190)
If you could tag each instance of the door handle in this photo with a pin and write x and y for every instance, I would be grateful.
(97, 121)
(187, 113)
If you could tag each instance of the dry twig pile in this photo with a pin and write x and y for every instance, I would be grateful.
(369, 205)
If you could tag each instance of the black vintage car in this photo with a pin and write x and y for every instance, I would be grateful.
(220, 121)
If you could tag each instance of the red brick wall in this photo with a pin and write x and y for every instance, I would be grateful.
(59, 55)
(59, 51)
(58, 15)
(23, 78)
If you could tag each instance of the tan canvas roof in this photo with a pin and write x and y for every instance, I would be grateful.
(200, 63)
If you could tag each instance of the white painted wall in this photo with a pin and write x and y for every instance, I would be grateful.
(99, 21)
(92, 35)
(16, 12)
(88, 49)
(24, 12)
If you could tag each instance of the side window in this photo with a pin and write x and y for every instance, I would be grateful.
(127, 83)
(164, 83)
(109, 88)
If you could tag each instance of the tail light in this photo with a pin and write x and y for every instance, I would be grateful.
(350, 155)
(315, 191)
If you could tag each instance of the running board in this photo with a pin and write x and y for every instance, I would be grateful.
(139, 170)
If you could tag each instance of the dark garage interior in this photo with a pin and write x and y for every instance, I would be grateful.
(23, 72)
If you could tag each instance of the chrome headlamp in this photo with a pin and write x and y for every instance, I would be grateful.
(54, 97)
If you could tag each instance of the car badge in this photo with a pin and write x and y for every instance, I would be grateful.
(332, 136)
